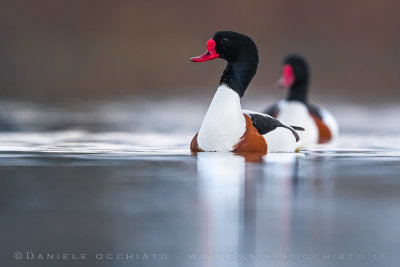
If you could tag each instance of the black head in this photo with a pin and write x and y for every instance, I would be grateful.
(231, 46)
(235, 47)
(295, 77)
(241, 54)
(295, 71)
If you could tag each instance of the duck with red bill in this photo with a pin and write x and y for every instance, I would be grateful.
(321, 126)
(226, 127)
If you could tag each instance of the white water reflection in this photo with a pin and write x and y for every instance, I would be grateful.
(259, 207)
(166, 126)
(230, 190)
(221, 184)
(83, 142)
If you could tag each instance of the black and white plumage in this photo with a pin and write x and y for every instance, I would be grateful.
(320, 126)
(265, 123)
(275, 108)
(225, 125)
(279, 137)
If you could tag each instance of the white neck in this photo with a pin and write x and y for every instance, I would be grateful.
(224, 123)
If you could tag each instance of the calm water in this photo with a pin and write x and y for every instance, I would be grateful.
(116, 180)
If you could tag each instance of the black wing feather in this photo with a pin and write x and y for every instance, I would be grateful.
(265, 124)
(297, 128)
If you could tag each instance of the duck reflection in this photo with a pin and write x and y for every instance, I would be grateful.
(252, 157)
(232, 191)
(221, 184)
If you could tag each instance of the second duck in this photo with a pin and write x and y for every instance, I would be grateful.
(320, 126)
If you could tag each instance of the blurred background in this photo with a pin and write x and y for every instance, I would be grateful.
(69, 50)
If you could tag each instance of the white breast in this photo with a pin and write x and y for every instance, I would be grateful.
(224, 123)
(295, 113)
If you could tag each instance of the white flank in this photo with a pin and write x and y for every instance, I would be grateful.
(224, 123)
(281, 140)
(295, 113)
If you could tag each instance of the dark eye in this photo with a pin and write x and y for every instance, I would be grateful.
(224, 40)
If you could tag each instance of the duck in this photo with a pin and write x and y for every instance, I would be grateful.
(320, 125)
(228, 128)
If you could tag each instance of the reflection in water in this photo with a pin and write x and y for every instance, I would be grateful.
(221, 184)
(252, 157)
(283, 174)
(230, 187)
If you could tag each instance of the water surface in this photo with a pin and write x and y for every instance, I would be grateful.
(117, 178)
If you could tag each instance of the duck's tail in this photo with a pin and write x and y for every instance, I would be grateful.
(297, 128)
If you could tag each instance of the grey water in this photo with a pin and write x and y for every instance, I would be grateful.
(114, 184)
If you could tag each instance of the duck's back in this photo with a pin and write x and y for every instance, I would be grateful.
(320, 126)
(296, 113)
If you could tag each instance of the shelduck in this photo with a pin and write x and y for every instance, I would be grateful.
(320, 126)
(228, 128)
